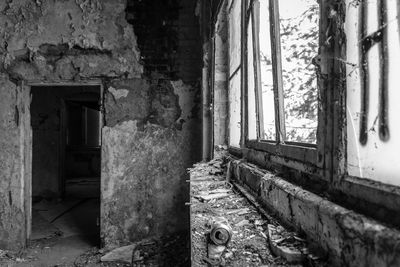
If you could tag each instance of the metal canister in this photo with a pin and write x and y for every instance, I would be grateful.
(221, 233)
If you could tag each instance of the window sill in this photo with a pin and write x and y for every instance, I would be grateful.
(307, 153)
(377, 200)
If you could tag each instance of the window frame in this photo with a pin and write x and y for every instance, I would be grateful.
(299, 151)
(329, 172)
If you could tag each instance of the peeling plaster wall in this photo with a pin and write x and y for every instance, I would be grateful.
(150, 139)
(153, 128)
(64, 40)
(143, 187)
(151, 125)
(51, 41)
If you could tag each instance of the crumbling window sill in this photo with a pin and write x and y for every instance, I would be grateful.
(362, 195)
(213, 198)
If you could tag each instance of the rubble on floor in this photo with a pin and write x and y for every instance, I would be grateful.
(213, 198)
(165, 251)
(58, 255)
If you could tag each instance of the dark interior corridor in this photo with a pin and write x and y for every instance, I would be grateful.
(66, 163)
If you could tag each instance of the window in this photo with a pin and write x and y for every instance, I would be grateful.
(234, 14)
(260, 78)
(282, 44)
(356, 50)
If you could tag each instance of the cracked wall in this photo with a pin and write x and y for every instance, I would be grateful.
(151, 123)
(151, 137)
(63, 40)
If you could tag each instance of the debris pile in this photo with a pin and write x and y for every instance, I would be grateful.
(168, 251)
(7, 257)
(92, 258)
(286, 244)
(256, 238)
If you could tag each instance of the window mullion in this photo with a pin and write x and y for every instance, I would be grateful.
(255, 20)
(277, 71)
(243, 78)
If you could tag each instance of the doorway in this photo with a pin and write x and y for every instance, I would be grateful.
(66, 158)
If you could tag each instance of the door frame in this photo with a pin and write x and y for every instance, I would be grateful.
(27, 85)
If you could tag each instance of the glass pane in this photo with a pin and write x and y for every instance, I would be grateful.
(299, 45)
(234, 36)
(266, 73)
(234, 83)
(250, 86)
(234, 110)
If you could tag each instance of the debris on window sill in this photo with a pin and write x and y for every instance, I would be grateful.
(215, 199)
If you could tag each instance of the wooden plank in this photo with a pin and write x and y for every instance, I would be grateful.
(337, 103)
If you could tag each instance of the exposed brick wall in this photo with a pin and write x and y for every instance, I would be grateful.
(168, 37)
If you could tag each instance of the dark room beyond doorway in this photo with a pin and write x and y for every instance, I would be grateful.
(66, 160)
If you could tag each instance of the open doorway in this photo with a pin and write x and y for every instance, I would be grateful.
(66, 159)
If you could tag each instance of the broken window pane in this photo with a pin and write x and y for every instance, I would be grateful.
(299, 45)
(266, 73)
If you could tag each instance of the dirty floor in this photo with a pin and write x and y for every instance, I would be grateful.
(64, 232)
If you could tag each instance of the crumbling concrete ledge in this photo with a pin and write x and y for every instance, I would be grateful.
(348, 238)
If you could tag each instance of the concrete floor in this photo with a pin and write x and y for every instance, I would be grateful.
(64, 230)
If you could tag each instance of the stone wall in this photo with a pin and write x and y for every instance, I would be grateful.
(151, 124)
